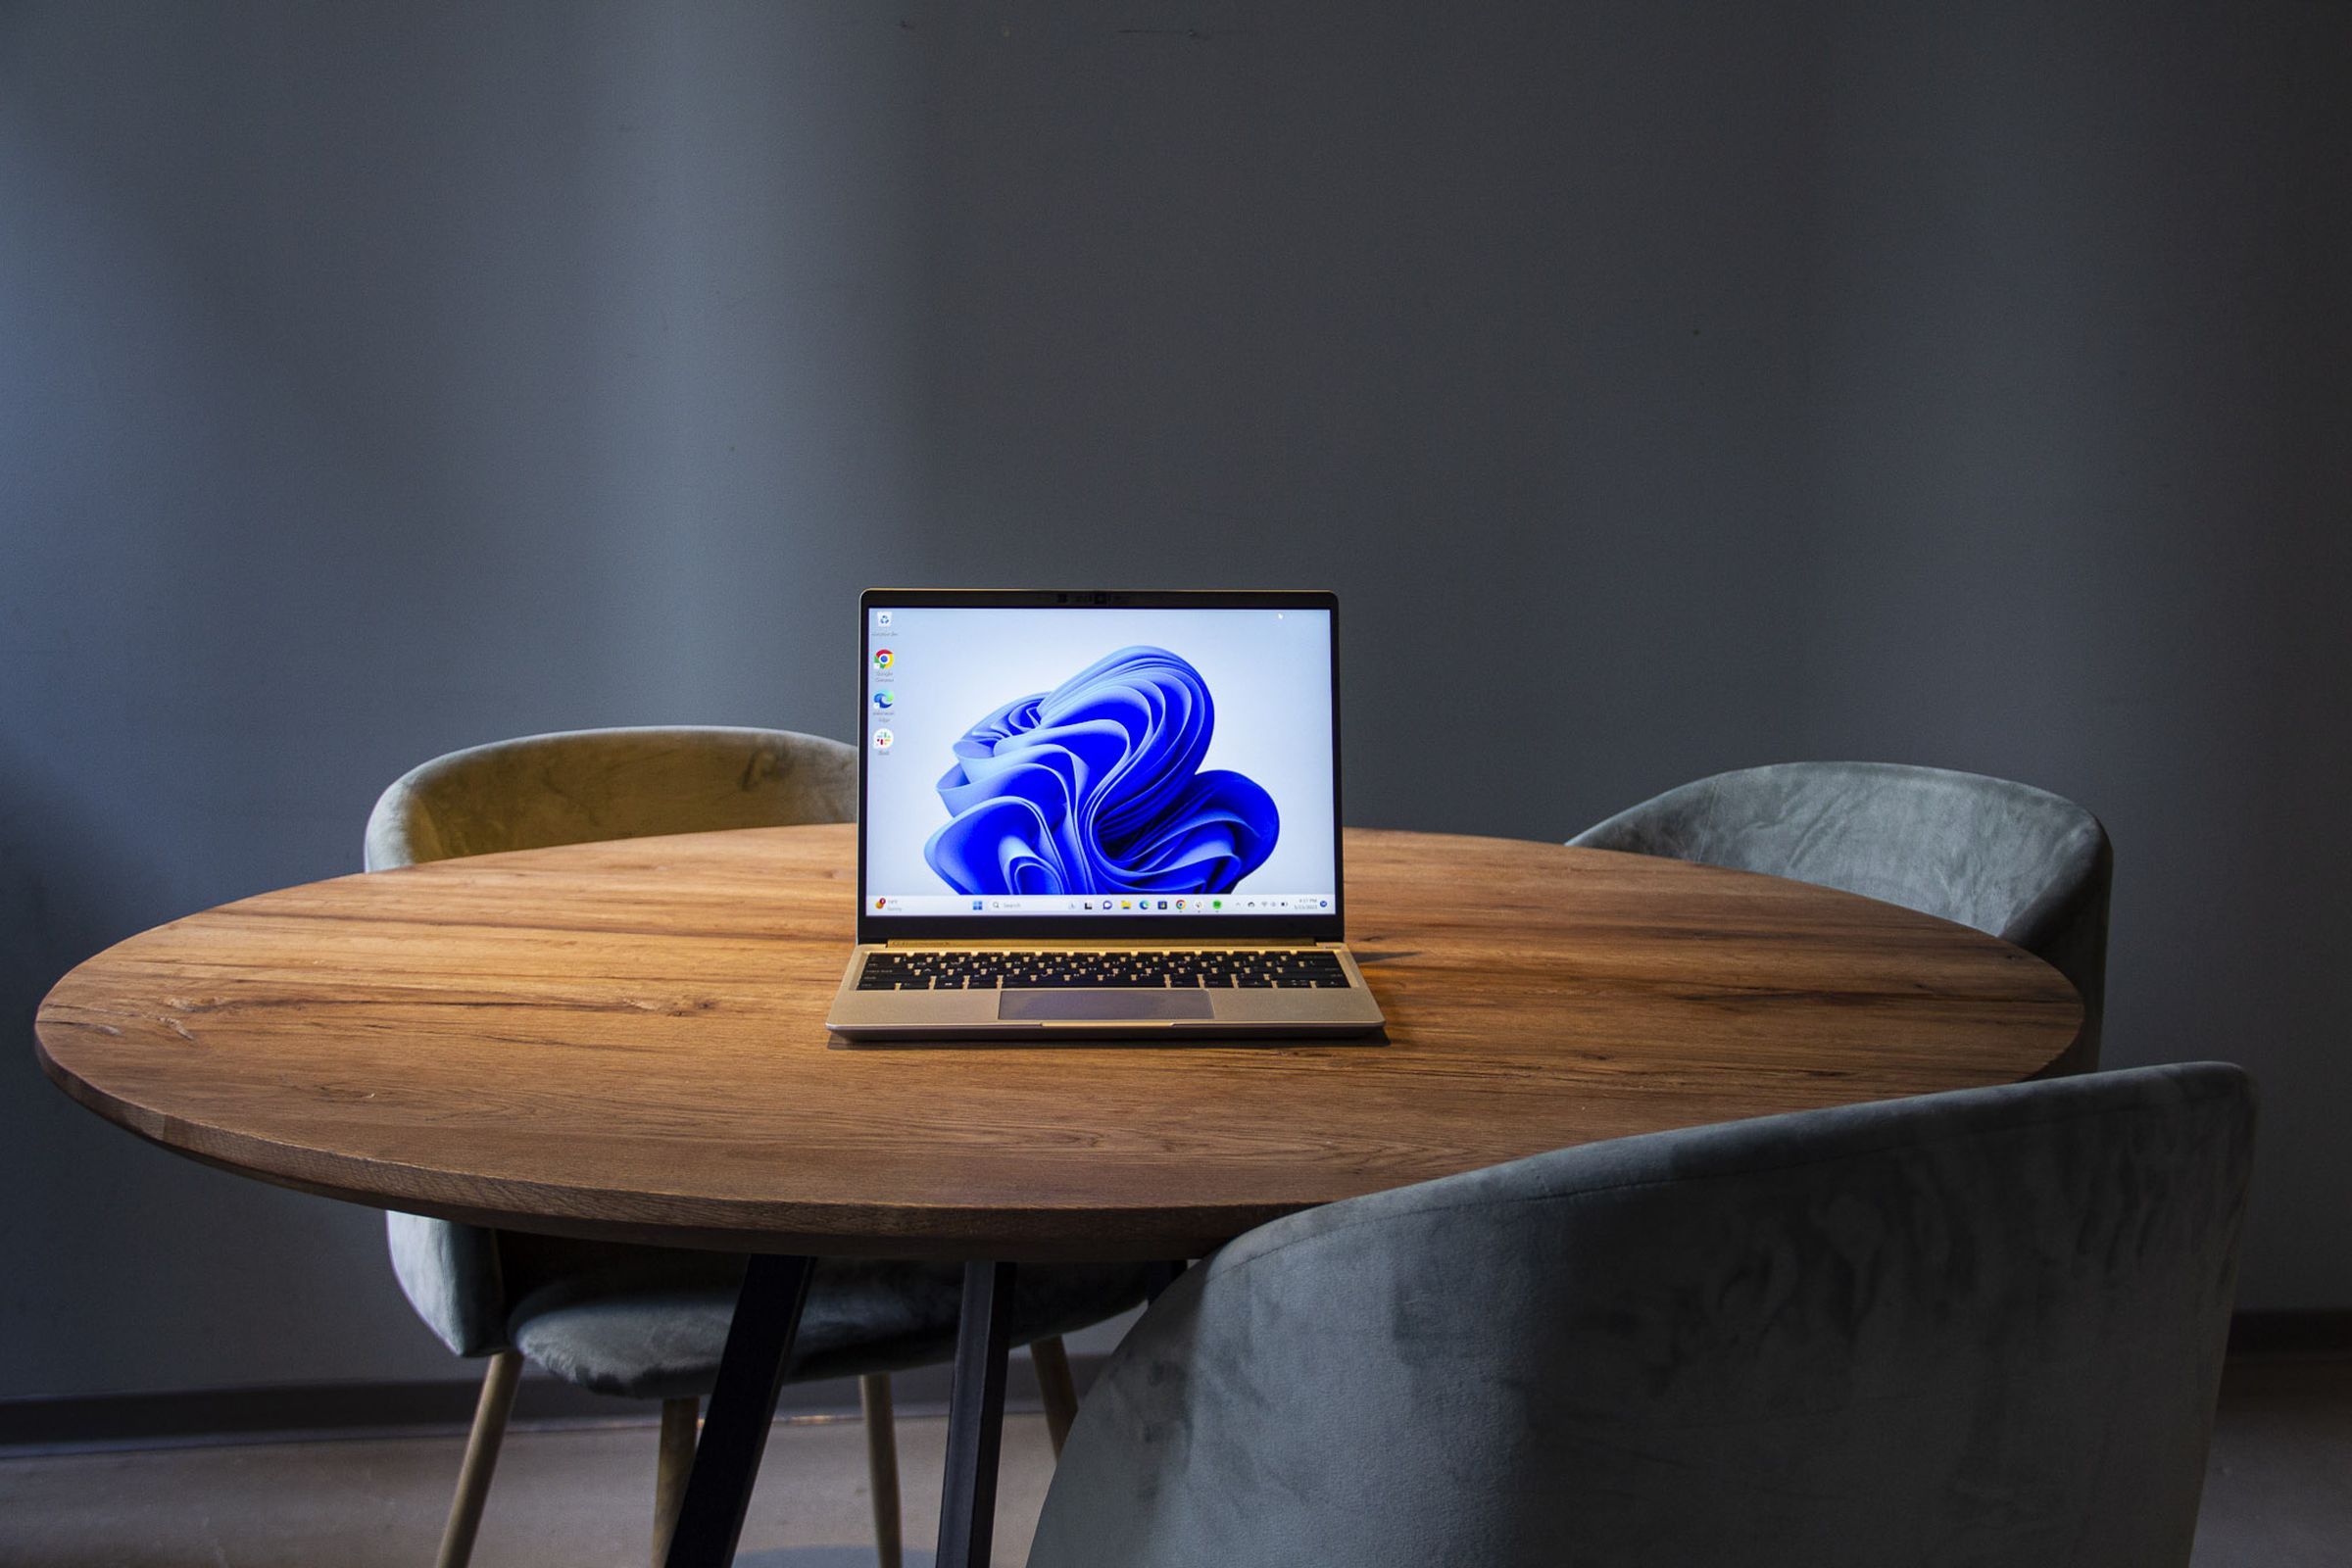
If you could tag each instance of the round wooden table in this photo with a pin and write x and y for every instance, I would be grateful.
(625, 1039)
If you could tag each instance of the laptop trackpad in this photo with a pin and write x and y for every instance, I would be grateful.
(1101, 1007)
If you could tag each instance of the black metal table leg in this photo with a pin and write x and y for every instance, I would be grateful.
(967, 1502)
(743, 1405)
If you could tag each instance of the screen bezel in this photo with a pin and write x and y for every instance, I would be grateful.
(1053, 928)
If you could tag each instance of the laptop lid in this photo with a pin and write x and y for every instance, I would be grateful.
(1040, 765)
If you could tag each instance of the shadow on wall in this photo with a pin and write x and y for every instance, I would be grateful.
(114, 1225)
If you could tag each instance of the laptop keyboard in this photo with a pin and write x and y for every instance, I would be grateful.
(1117, 969)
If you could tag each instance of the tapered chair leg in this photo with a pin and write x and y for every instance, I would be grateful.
(482, 1458)
(671, 1469)
(881, 1464)
(1055, 1387)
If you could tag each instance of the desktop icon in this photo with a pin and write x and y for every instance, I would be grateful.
(880, 903)
(883, 740)
(884, 702)
(882, 620)
(884, 658)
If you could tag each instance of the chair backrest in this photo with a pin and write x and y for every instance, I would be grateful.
(2026, 865)
(574, 788)
(1975, 1328)
(585, 785)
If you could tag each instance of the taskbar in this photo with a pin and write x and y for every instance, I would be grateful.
(1130, 904)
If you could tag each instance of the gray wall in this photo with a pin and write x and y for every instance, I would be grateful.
(1663, 387)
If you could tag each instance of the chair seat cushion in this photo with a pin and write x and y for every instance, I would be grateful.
(660, 1338)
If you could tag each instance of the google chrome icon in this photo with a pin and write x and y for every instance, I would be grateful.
(883, 659)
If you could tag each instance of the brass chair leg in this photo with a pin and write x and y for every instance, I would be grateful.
(482, 1458)
(881, 1464)
(1055, 1387)
(677, 1461)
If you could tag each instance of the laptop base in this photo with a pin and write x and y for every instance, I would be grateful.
(1257, 1014)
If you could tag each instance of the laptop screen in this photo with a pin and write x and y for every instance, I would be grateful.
(1152, 758)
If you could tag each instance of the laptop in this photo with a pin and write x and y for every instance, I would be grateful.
(1093, 814)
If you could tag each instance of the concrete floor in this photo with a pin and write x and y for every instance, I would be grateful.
(2278, 1480)
(563, 1497)
(2279, 1493)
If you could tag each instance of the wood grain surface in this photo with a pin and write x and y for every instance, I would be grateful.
(627, 1040)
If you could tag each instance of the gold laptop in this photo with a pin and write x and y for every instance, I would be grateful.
(1097, 813)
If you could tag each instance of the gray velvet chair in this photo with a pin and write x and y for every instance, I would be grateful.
(651, 1322)
(2026, 865)
(1981, 1328)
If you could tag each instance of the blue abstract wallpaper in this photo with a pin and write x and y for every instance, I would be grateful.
(1096, 787)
